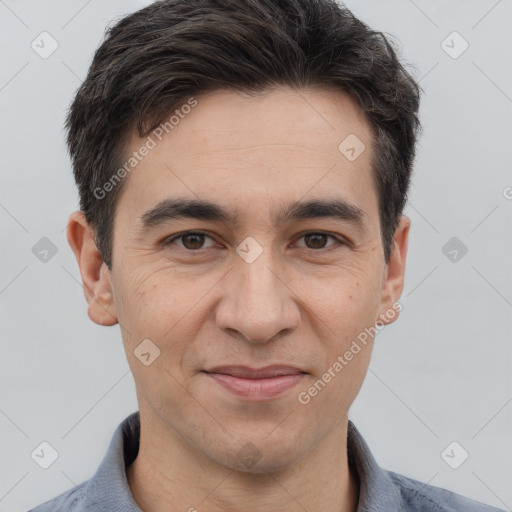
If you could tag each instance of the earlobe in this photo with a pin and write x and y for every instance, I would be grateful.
(395, 270)
(96, 281)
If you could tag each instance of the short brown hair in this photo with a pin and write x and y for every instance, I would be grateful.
(153, 60)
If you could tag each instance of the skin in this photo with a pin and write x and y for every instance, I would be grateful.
(297, 303)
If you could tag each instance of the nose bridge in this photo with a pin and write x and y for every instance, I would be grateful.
(259, 293)
(257, 305)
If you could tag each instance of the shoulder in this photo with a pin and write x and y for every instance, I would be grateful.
(69, 501)
(420, 497)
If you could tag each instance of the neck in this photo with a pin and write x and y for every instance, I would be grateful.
(172, 475)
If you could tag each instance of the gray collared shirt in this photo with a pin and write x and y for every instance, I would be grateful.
(380, 490)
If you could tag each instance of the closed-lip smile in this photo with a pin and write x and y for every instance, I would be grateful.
(246, 372)
(256, 384)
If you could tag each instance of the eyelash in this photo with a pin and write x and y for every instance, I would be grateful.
(339, 242)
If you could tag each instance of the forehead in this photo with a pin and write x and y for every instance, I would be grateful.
(273, 147)
(312, 119)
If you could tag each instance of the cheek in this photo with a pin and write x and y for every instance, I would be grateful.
(346, 310)
(346, 301)
(166, 309)
(345, 331)
(154, 298)
(160, 309)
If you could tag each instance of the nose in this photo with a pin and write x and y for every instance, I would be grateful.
(258, 305)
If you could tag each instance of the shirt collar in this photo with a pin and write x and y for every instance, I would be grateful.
(377, 492)
(109, 489)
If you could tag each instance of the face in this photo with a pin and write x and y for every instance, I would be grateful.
(255, 278)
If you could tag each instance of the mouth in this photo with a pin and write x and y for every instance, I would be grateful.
(245, 372)
(256, 384)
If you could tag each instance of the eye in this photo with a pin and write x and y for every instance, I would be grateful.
(191, 240)
(317, 240)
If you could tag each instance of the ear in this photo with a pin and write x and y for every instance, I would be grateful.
(393, 284)
(96, 281)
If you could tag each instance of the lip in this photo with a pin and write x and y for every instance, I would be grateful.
(257, 389)
(256, 384)
(247, 372)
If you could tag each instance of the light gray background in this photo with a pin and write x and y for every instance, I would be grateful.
(441, 373)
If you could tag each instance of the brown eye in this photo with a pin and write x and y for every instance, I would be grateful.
(191, 241)
(318, 241)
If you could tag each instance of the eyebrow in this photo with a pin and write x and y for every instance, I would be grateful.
(183, 208)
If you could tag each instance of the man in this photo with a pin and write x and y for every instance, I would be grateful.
(243, 167)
